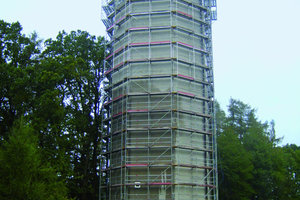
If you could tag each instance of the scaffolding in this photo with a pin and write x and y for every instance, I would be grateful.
(160, 141)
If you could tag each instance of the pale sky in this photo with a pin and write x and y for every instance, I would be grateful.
(256, 49)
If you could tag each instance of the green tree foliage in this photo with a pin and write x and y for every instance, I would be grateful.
(21, 94)
(78, 56)
(24, 174)
(292, 156)
(251, 165)
(58, 92)
(235, 167)
(17, 54)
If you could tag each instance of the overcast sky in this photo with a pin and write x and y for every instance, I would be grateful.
(256, 49)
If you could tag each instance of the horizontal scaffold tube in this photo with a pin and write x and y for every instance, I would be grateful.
(180, 76)
(158, 147)
(159, 59)
(153, 128)
(155, 43)
(158, 166)
(179, 13)
(164, 183)
(156, 93)
(182, 2)
(175, 27)
(146, 110)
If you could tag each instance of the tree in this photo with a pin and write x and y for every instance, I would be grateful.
(23, 173)
(292, 157)
(220, 118)
(241, 117)
(58, 93)
(17, 54)
(79, 57)
(251, 164)
(235, 167)
(259, 147)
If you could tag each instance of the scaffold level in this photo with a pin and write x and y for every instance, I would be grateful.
(160, 140)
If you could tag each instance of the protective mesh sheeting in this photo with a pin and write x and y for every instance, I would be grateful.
(154, 193)
(190, 193)
(153, 138)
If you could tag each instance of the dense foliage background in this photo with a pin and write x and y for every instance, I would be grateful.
(50, 115)
(251, 164)
(50, 126)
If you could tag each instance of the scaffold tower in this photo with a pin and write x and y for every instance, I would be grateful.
(160, 140)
